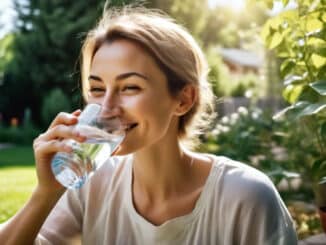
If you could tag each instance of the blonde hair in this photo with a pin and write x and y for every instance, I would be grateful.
(173, 48)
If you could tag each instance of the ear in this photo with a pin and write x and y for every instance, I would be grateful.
(186, 100)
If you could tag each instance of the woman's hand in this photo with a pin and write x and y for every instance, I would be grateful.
(49, 143)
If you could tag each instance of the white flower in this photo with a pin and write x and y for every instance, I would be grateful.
(248, 94)
(255, 115)
(225, 120)
(215, 132)
(243, 111)
(225, 129)
(234, 118)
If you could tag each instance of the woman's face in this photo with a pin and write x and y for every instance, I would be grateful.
(126, 80)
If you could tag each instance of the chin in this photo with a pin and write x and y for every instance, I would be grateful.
(123, 150)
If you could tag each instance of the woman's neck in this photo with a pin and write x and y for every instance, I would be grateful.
(161, 170)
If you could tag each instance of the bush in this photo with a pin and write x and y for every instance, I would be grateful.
(23, 134)
(54, 103)
(18, 135)
(276, 148)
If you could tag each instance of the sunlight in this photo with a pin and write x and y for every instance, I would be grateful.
(6, 17)
(236, 5)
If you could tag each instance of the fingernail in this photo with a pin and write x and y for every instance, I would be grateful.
(78, 110)
(68, 148)
(82, 137)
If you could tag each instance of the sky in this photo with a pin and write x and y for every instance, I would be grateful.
(6, 17)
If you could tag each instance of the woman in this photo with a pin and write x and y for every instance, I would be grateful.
(149, 72)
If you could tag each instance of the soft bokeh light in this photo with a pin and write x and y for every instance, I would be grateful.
(236, 5)
(6, 17)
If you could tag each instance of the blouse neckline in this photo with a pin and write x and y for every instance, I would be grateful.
(176, 224)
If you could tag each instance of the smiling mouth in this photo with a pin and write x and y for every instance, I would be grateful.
(131, 126)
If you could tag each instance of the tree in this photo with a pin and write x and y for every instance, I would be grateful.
(47, 41)
(298, 37)
(189, 13)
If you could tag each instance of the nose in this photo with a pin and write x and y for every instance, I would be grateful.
(111, 105)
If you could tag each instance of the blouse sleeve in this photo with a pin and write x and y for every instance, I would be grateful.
(252, 209)
(265, 218)
(64, 224)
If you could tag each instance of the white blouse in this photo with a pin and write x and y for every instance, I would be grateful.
(238, 206)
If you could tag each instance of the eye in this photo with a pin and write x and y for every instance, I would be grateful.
(130, 88)
(96, 91)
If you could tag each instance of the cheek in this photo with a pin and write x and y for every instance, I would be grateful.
(134, 105)
(152, 108)
(94, 100)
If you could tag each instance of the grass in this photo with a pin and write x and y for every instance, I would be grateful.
(17, 179)
(16, 185)
(16, 156)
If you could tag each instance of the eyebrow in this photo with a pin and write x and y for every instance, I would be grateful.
(119, 77)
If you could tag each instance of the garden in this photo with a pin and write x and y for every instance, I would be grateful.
(271, 106)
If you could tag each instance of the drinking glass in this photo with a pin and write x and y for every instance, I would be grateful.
(103, 136)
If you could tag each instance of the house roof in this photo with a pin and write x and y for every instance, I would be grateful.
(241, 57)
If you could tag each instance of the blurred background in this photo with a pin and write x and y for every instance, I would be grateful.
(248, 47)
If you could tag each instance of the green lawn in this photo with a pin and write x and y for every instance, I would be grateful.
(17, 179)
(16, 156)
(16, 185)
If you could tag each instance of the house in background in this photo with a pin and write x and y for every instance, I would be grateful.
(241, 61)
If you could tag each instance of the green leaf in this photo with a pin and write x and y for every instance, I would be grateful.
(319, 87)
(314, 45)
(266, 31)
(291, 112)
(299, 110)
(312, 109)
(276, 40)
(323, 17)
(279, 174)
(322, 180)
(269, 3)
(292, 92)
(317, 34)
(321, 73)
(321, 51)
(309, 94)
(318, 169)
(287, 66)
(293, 80)
(318, 61)
(323, 132)
(313, 24)
(285, 2)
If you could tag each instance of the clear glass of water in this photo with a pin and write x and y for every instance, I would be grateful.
(103, 136)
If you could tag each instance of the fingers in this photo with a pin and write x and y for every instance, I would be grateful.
(61, 128)
(76, 112)
(52, 146)
(66, 118)
(63, 132)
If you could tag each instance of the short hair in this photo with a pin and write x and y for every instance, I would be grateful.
(176, 52)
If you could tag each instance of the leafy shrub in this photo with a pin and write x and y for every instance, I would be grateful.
(23, 134)
(298, 37)
(218, 72)
(248, 85)
(276, 148)
(54, 103)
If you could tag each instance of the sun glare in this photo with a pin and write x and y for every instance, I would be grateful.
(236, 5)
